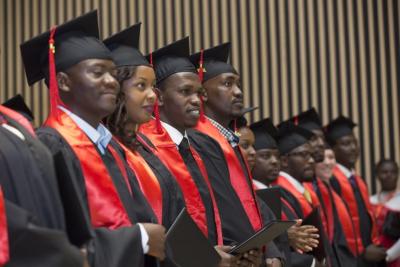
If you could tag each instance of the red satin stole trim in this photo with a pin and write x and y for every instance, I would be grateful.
(305, 206)
(365, 195)
(236, 174)
(327, 212)
(285, 217)
(105, 205)
(4, 249)
(167, 151)
(349, 198)
(148, 182)
(18, 118)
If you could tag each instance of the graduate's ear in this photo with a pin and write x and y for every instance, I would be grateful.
(159, 96)
(284, 161)
(63, 82)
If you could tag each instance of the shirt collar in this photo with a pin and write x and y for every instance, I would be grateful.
(259, 185)
(232, 138)
(100, 136)
(175, 135)
(299, 187)
(345, 170)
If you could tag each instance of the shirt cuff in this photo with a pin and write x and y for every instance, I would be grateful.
(145, 239)
(393, 252)
(313, 263)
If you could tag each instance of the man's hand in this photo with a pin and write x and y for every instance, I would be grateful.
(227, 260)
(252, 258)
(156, 241)
(303, 238)
(374, 253)
(274, 262)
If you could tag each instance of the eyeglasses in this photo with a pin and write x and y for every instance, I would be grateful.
(304, 154)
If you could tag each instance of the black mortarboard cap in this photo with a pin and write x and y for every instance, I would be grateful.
(124, 47)
(172, 58)
(291, 136)
(17, 103)
(215, 61)
(339, 127)
(75, 41)
(265, 133)
(309, 120)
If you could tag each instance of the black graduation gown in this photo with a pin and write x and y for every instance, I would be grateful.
(172, 197)
(297, 259)
(236, 226)
(365, 222)
(29, 184)
(124, 243)
(341, 254)
(35, 246)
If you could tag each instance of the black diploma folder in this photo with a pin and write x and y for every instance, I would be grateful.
(272, 197)
(263, 236)
(79, 228)
(187, 244)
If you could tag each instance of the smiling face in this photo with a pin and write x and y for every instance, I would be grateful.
(90, 88)
(180, 100)
(324, 169)
(224, 95)
(139, 94)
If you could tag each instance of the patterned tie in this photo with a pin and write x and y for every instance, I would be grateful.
(307, 196)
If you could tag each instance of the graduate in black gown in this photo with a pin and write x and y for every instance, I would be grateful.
(331, 208)
(135, 107)
(260, 136)
(354, 191)
(80, 73)
(230, 178)
(35, 215)
(179, 88)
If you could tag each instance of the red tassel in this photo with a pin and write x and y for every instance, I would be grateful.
(201, 70)
(55, 100)
(151, 59)
(296, 120)
(156, 109)
(235, 129)
(157, 116)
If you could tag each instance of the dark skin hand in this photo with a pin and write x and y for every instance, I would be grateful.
(374, 253)
(303, 238)
(156, 241)
(319, 264)
(274, 262)
(251, 258)
(227, 260)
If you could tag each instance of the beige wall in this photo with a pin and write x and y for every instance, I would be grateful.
(341, 56)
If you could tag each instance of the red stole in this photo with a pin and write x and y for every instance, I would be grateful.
(348, 196)
(18, 118)
(148, 182)
(327, 212)
(236, 174)
(167, 151)
(4, 250)
(105, 205)
(306, 207)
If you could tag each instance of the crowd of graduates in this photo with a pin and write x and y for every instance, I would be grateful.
(132, 140)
